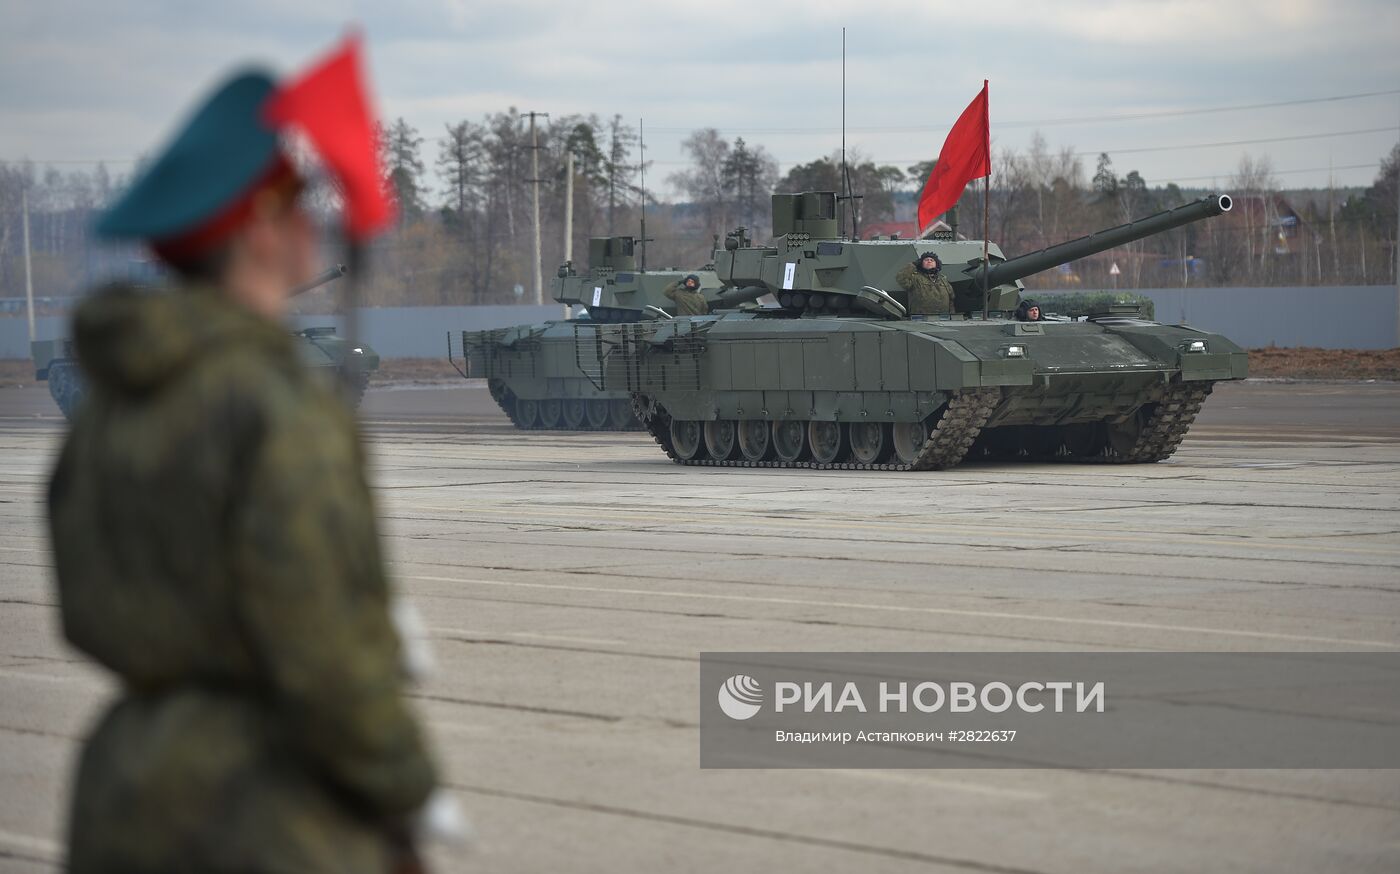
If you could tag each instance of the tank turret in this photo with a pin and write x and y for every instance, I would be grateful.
(809, 268)
(614, 290)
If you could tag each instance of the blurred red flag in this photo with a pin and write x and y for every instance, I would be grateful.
(330, 104)
(966, 155)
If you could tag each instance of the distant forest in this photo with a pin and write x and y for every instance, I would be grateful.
(465, 232)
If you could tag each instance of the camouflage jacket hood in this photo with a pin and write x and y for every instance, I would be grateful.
(132, 342)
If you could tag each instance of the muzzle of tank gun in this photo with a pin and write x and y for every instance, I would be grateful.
(330, 274)
(1025, 265)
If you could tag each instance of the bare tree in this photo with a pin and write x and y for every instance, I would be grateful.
(704, 182)
(399, 145)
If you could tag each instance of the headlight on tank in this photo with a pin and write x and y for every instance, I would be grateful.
(1015, 351)
(1195, 346)
(358, 351)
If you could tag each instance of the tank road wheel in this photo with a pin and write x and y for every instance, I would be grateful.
(1085, 439)
(551, 413)
(573, 413)
(870, 442)
(755, 440)
(722, 438)
(620, 414)
(1123, 436)
(909, 440)
(596, 410)
(688, 439)
(828, 441)
(790, 439)
(527, 413)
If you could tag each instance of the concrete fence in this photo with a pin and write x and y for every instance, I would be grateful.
(1340, 317)
(1327, 317)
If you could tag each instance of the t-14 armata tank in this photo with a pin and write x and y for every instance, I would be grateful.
(532, 371)
(835, 374)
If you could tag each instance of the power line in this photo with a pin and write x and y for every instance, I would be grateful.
(1088, 119)
(1343, 133)
(1374, 165)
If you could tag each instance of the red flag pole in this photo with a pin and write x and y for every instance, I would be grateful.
(986, 198)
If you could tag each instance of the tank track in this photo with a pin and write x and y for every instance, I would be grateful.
(1165, 427)
(66, 387)
(505, 399)
(353, 386)
(948, 441)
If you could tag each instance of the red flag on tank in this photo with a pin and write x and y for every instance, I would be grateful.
(966, 155)
(331, 105)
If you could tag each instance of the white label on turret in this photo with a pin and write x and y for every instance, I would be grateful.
(788, 273)
(597, 295)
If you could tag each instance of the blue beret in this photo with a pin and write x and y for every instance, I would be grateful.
(215, 158)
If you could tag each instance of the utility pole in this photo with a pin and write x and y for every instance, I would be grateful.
(568, 218)
(28, 272)
(535, 174)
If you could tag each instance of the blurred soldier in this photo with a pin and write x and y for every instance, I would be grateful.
(215, 546)
(690, 300)
(930, 293)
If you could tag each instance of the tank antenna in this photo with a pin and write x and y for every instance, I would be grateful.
(845, 169)
(642, 168)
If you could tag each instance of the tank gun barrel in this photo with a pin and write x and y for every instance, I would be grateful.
(731, 298)
(1052, 256)
(330, 274)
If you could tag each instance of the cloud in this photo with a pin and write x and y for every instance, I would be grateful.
(88, 79)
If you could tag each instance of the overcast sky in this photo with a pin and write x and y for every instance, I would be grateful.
(83, 80)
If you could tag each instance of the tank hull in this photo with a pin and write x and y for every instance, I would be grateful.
(533, 374)
(842, 392)
(320, 350)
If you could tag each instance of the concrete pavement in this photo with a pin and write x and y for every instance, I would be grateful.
(570, 580)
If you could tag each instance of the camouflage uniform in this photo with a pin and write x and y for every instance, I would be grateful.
(688, 303)
(928, 295)
(215, 547)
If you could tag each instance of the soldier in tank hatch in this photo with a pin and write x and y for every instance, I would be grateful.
(1029, 311)
(216, 548)
(930, 293)
(690, 301)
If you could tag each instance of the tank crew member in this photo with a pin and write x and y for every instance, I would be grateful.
(1029, 311)
(930, 293)
(690, 300)
(216, 548)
